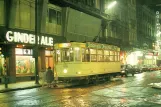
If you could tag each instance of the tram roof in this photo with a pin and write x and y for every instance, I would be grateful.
(86, 45)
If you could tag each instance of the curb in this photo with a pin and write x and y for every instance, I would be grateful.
(36, 86)
(58, 86)
(15, 89)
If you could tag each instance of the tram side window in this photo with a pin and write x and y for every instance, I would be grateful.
(115, 57)
(67, 55)
(118, 56)
(106, 56)
(77, 54)
(58, 56)
(71, 54)
(112, 56)
(100, 56)
(93, 55)
(85, 55)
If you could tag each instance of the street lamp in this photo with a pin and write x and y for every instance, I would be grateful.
(110, 19)
(105, 22)
(111, 4)
(158, 34)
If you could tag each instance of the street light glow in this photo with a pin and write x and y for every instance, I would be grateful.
(111, 5)
(158, 34)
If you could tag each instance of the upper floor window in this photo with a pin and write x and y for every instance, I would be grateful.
(89, 2)
(58, 18)
(54, 16)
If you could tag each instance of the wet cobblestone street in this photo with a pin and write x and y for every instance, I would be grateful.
(121, 92)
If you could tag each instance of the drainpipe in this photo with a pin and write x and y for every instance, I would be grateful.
(36, 43)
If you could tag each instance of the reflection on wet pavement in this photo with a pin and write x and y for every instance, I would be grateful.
(125, 92)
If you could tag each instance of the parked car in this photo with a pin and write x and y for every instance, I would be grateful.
(159, 67)
(145, 68)
(153, 67)
(137, 68)
(127, 69)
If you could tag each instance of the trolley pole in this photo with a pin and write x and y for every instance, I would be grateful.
(36, 43)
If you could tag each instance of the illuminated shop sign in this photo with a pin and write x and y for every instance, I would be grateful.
(158, 24)
(18, 37)
(20, 51)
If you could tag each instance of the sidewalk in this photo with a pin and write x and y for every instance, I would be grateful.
(18, 86)
(27, 85)
(31, 84)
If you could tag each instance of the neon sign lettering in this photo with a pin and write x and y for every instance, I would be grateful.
(28, 38)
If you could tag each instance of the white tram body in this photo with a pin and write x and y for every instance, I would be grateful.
(81, 60)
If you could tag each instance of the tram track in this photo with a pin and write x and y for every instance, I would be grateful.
(84, 90)
(28, 97)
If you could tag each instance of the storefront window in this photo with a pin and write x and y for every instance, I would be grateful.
(25, 65)
(48, 53)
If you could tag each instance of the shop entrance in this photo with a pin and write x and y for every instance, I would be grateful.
(49, 61)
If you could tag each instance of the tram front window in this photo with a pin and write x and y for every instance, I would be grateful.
(77, 54)
(67, 55)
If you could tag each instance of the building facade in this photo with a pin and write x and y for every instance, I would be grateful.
(123, 23)
(146, 33)
(157, 44)
(145, 26)
(17, 32)
(60, 21)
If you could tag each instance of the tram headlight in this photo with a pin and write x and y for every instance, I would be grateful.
(122, 71)
(78, 72)
(65, 70)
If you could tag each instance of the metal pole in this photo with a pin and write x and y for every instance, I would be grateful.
(5, 72)
(36, 43)
(6, 57)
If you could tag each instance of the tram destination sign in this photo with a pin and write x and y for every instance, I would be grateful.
(101, 46)
(18, 37)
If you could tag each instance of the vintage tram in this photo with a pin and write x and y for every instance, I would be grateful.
(88, 61)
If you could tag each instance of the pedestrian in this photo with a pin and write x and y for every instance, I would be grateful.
(49, 77)
(42, 77)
